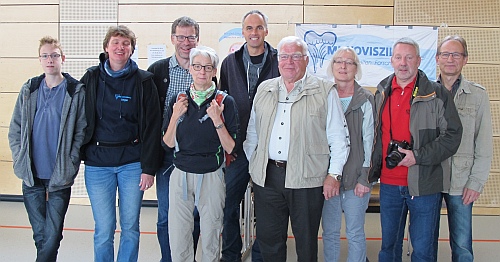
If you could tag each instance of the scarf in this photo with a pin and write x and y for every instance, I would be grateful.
(199, 96)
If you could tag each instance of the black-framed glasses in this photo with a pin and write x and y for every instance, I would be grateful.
(54, 56)
(295, 57)
(455, 55)
(346, 62)
(198, 67)
(190, 38)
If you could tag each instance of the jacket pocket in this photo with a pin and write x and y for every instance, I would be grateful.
(468, 117)
(461, 166)
(317, 160)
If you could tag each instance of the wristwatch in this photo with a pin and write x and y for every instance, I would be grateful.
(336, 176)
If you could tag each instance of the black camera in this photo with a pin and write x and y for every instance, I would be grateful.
(393, 155)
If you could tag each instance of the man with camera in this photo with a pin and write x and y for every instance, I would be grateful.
(417, 130)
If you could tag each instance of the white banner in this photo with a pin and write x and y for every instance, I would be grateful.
(372, 43)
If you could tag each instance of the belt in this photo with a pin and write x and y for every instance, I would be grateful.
(117, 144)
(277, 163)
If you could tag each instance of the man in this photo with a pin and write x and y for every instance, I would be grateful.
(241, 73)
(471, 164)
(418, 115)
(171, 76)
(45, 135)
(296, 143)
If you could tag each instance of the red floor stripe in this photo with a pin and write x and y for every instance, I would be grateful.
(291, 237)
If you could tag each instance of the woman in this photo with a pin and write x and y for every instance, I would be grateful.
(357, 103)
(123, 115)
(201, 126)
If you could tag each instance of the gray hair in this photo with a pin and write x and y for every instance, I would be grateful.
(264, 17)
(206, 52)
(457, 38)
(337, 54)
(185, 22)
(408, 41)
(293, 40)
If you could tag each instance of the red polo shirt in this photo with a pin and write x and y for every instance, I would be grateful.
(399, 121)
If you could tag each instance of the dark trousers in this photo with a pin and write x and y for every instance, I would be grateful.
(275, 205)
(46, 216)
(236, 177)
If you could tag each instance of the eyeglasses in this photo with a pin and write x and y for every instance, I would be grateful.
(295, 57)
(190, 38)
(208, 68)
(455, 55)
(53, 56)
(346, 62)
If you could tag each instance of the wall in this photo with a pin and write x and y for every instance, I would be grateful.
(81, 26)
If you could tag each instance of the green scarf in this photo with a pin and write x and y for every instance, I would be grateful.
(200, 96)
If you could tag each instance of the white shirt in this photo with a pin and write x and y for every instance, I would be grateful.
(336, 130)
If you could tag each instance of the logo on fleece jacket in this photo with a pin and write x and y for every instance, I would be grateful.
(122, 98)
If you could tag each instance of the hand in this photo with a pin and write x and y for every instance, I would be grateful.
(180, 108)
(331, 187)
(232, 157)
(409, 159)
(214, 111)
(469, 196)
(147, 182)
(361, 190)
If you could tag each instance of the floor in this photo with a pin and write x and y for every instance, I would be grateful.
(16, 242)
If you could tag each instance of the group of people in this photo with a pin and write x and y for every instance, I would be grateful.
(312, 148)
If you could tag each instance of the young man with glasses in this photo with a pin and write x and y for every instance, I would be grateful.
(471, 164)
(241, 74)
(45, 135)
(171, 76)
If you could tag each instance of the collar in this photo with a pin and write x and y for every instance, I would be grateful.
(298, 85)
(395, 84)
(455, 86)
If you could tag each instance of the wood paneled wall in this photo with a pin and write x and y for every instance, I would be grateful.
(81, 26)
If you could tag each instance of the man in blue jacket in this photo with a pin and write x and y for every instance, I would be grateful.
(45, 135)
(241, 73)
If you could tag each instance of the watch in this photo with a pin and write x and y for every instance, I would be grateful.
(336, 176)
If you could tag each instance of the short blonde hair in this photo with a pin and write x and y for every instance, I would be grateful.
(338, 53)
(49, 40)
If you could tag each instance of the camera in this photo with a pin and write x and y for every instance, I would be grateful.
(393, 155)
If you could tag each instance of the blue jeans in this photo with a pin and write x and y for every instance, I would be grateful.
(460, 226)
(162, 185)
(102, 183)
(354, 208)
(395, 202)
(46, 217)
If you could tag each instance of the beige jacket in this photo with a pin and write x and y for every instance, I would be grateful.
(471, 164)
(309, 157)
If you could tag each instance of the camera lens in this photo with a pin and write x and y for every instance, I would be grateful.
(392, 160)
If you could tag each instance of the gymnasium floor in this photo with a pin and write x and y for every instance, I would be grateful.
(16, 242)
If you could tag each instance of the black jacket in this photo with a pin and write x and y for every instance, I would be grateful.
(233, 80)
(149, 116)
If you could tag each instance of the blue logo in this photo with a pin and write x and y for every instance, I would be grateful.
(233, 33)
(122, 98)
(318, 45)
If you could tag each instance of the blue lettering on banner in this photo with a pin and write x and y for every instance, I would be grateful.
(366, 50)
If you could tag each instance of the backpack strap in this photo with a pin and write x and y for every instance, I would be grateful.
(219, 98)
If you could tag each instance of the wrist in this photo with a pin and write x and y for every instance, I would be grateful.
(337, 177)
(219, 126)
